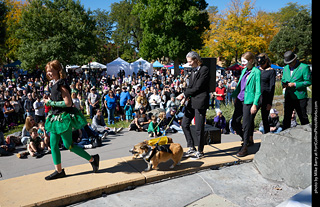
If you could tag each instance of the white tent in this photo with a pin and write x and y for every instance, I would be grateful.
(141, 64)
(94, 65)
(115, 66)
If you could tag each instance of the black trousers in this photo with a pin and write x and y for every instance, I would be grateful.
(199, 115)
(242, 111)
(300, 105)
(264, 114)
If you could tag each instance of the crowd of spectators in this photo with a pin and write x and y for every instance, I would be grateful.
(98, 95)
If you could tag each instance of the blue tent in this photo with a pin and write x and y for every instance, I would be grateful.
(180, 67)
(157, 65)
(276, 67)
(13, 65)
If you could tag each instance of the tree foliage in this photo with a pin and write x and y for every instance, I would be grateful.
(296, 36)
(59, 29)
(11, 11)
(171, 28)
(237, 30)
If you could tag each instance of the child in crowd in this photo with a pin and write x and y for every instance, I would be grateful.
(44, 136)
(128, 109)
(36, 144)
(153, 129)
(162, 120)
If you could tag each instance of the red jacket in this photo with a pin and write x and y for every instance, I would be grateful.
(220, 91)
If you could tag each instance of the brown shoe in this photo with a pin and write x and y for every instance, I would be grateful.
(243, 152)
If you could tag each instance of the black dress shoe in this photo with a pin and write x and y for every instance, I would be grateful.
(56, 175)
(243, 152)
(95, 163)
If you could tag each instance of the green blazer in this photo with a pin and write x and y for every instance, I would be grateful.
(253, 88)
(301, 76)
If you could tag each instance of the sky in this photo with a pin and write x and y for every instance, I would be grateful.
(266, 5)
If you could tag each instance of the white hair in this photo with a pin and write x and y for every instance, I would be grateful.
(193, 55)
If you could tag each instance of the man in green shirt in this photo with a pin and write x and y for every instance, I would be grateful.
(296, 78)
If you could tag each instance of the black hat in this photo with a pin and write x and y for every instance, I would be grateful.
(289, 57)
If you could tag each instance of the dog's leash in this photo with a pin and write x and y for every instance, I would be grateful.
(154, 150)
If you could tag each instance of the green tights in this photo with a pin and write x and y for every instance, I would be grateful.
(67, 141)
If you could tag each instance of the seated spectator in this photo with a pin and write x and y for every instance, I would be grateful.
(140, 122)
(220, 121)
(153, 129)
(43, 135)
(6, 145)
(81, 140)
(25, 130)
(155, 100)
(141, 100)
(172, 103)
(163, 122)
(173, 121)
(98, 123)
(35, 145)
(273, 121)
(293, 119)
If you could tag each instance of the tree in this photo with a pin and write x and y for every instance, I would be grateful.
(104, 27)
(238, 30)
(58, 29)
(296, 36)
(10, 16)
(171, 28)
(127, 34)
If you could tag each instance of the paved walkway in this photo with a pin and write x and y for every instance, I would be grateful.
(114, 175)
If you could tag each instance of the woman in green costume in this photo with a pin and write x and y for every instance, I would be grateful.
(62, 119)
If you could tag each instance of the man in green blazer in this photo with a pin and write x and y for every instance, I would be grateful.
(295, 79)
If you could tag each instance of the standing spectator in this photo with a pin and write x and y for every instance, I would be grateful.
(128, 110)
(220, 94)
(28, 106)
(234, 84)
(110, 104)
(296, 78)
(124, 98)
(8, 112)
(46, 108)
(75, 101)
(93, 100)
(229, 92)
(39, 110)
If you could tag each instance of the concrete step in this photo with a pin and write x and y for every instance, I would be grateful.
(114, 175)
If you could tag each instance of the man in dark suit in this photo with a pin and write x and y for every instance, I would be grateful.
(197, 97)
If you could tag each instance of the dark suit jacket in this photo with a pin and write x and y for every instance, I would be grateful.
(198, 88)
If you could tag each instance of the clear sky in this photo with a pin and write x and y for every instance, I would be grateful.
(266, 5)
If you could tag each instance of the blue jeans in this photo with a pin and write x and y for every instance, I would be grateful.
(261, 129)
(110, 116)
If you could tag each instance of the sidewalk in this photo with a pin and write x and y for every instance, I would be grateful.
(114, 175)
